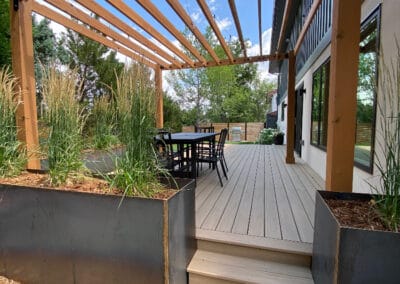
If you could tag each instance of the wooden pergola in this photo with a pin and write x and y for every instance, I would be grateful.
(108, 29)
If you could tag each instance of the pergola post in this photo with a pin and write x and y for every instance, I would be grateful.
(290, 109)
(159, 96)
(23, 69)
(343, 94)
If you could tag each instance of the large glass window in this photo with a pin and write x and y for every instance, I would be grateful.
(366, 92)
(366, 96)
(319, 114)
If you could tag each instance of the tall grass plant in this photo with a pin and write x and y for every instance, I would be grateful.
(137, 172)
(65, 118)
(12, 155)
(388, 164)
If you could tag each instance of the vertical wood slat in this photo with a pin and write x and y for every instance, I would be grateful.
(159, 97)
(343, 94)
(23, 69)
(290, 109)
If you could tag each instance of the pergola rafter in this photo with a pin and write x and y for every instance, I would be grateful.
(260, 26)
(116, 22)
(189, 23)
(207, 13)
(235, 16)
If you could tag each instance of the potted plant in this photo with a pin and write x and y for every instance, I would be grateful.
(356, 236)
(66, 236)
(278, 138)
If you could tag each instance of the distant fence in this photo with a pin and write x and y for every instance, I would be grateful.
(249, 130)
(363, 133)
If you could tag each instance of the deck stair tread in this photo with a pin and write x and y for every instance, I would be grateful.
(239, 269)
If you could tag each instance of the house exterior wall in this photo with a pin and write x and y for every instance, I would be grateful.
(316, 157)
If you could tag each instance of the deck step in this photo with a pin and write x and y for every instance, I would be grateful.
(232, 258)
(211, 267)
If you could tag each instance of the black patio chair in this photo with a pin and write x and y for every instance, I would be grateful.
(216, 155)
(168, 157)
(205, 146)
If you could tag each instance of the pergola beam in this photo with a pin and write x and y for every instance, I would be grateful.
(288, 6)
(207, 13)
(92, 22)
(153, 10)
(56, 17)
(237, 24)
(343, 81)
(159, 97)
(23, 69)
(260, 26)
(116, 22)
(291, 99)
(180, 11)
(136, 18)
(307, 23)
(236, 61)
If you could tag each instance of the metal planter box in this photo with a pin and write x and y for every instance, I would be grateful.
(49, 236)
(350, 255)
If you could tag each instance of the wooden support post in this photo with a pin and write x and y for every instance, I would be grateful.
(23, 68)
(159, 96)
(343, 94)
(290, 109)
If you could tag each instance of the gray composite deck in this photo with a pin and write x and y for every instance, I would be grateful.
(262, 197)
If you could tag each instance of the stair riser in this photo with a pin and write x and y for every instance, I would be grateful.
(201, 279)
(256, 253)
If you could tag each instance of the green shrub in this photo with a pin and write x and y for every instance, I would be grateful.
(266, 136)
(65, 119)
(12, 157)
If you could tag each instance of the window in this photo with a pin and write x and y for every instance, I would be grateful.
(366, 97)
(319, 113)
(366, 94)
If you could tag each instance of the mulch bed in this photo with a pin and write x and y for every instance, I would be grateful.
(78, 184)
(361, 214)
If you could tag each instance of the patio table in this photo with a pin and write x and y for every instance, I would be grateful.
(192, 139)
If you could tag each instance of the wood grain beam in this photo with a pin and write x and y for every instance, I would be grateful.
(136, 18)
(119, 24)
(207, 13)
(56, 17)
(307, 23)
(291, 100)
(23, 69)
(236, 61)
(260, 26)
(159, 98)
(106, 31)
(180, 11)
(288, 6)
(153, 10)
(237, 24)
(343, 81)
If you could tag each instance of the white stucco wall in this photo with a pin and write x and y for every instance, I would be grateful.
(315, 157)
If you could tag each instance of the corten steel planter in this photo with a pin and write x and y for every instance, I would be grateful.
(351, 255)
(49, 236)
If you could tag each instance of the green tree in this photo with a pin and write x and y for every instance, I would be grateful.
(44, 47)
(96, 64)
(5, 38)
(172, 114)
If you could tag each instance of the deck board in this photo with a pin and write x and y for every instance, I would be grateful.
(262, 197)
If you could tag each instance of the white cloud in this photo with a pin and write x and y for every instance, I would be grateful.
(195, 16)
(224, 24)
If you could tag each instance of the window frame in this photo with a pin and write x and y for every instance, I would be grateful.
(319, 146)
